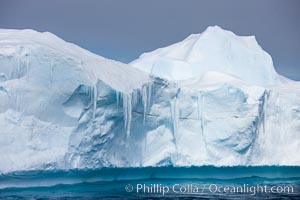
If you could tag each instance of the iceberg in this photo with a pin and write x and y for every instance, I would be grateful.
(212, 99)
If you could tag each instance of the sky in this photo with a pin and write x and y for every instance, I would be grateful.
(124, 29)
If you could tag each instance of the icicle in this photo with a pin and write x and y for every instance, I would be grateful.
(129, 115)
(146, 99)
(95, 95)
(127, 107)
(175, 115)
(118, 98)
(125, 111)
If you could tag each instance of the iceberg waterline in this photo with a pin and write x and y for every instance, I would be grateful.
(28, 179)
(192, 103)
(107, 182)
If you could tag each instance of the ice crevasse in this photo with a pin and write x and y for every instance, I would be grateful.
(212, 99)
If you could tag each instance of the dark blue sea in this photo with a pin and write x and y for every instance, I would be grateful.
(207, 182)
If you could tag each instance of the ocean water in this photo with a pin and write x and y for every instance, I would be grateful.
(207, 182)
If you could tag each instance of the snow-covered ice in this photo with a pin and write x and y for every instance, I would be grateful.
(213, 50)
(212, 99)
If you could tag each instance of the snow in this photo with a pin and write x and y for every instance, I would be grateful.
(23, 43)
(212, 99)
(213, 50)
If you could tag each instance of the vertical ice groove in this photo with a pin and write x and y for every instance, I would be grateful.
(90, 95)
(174, 115)
(18, 68)
(265, 102)
(262, 110)
(129, 112)
(95, 95)
(14, 72)
(127, 107)
(125, 111)
(144, 100)
(27, 64)
(200, 104)
(149, 94)
(51, 71)
(134, 98)
(16, 101)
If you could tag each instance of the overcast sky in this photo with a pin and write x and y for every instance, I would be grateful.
(122, 30)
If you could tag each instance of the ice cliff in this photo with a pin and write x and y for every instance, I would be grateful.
(211, 99)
